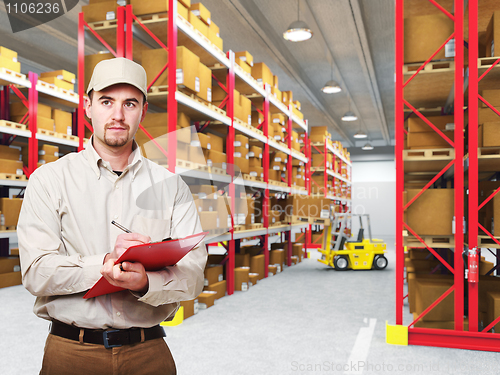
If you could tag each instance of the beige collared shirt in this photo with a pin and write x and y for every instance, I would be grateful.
(65, 231)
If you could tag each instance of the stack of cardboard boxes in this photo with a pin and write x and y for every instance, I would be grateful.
(10, 160)
(241, 150)
(48, 118)
(8, 60)
(60, 78)
(10, 209)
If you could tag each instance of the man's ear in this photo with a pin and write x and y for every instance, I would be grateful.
(144, 111)
(87, 103)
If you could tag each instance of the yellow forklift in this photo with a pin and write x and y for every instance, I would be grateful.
(356, 254)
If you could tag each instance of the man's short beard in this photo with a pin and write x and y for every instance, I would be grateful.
(115, 142)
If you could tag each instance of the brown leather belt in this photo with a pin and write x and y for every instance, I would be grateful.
(109, 338)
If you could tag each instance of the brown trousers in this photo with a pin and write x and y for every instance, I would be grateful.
(64, 357)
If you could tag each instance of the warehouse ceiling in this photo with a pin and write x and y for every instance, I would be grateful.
(354, 39)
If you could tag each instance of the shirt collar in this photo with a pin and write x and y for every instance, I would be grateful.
(94, 159)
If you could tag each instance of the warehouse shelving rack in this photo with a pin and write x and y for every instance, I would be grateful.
(451, 166)
(30, 86)
(339, 163)
(178, 29)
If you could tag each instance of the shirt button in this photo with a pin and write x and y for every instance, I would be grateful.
(115, 217)
(118, 314)
(117, 187)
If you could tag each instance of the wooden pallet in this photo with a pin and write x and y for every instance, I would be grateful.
(103, 24)
(12, 177)
(218, 231)
(163, 89)
(255, 226)
(184, 164)
(12, 73)
(293, 219)
(249, 127)
(4, 228)
(217, 170)
(248, 177)
(431, 241)
(319, 221)
(431, 67)
(68, 137)
(238, 228)
(487, 242)
(47, 132)
(12, 125)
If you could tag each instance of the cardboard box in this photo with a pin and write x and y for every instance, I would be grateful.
(241, 278)
(189, 308)
(8, 63)
(287, 98)
(208, 220)
(9, 264)
(491, 134)
(182, 10)
(10, 208)
(262, 74)
(427, 291)
(59, 74)
(277, 258)
(41, 122)
(277, 93)
(219, 287)
(216, 142)
(63, 121)
(213, 273)
(142, 7)
(8, 53)
(206, 299)
(423, 35)
(243, 64)
(214, 37)
(10, 279)
(205, 83)
(487, 115)
(272, 270)
(254, 278)
(188, 67)
(200, 11)
(493, 309)
(59, 83)
(19, 109)
(432, 212)
(417, 125)
(100, 11)
(492, 97)
(492, 35)
(245, 56)
(48, 150)
(429, 140)
(11, 167)
(9, 153)
(242, 260)
(198, 24)
(201, 140)
(257, 265)
(216, 159)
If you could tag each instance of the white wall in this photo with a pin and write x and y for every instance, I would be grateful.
(374, 191)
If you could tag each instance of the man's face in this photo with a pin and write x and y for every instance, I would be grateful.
(116, 113)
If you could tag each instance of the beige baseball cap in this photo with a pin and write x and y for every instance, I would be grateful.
(118, 70)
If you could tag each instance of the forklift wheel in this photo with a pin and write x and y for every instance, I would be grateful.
(380, 262)
(341, 263)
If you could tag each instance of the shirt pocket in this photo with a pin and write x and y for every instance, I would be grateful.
(157, 229)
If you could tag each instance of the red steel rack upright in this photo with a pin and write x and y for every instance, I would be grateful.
(458, 337)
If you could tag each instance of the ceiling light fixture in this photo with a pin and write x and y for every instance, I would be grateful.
(332, 86)
(367, 147)
(349, 115)
(298, 31)
(360, 134)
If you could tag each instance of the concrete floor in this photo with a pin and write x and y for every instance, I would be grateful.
(309, 319)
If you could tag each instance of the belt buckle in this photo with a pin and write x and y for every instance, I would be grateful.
(105, 339)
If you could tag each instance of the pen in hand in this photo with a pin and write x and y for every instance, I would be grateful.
(123, 229)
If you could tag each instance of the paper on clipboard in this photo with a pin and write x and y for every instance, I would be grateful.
(153, 256)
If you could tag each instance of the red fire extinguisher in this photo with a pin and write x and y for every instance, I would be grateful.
(473, 265)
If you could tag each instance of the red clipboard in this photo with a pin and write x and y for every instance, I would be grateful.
(153, 256)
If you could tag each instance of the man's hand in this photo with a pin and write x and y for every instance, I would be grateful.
(126, 275)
